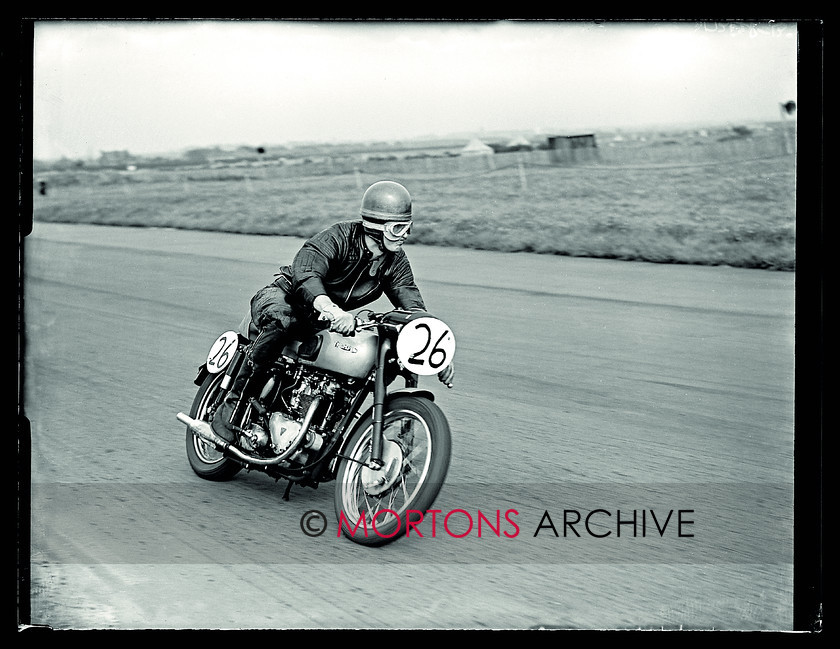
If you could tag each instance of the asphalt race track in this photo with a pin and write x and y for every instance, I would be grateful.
(654, 402)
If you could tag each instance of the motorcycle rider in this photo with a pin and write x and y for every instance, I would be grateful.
(344, 267)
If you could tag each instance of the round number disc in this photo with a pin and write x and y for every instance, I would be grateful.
(221, 352)
(426, 345)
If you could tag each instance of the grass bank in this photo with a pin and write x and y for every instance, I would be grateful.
(737, 213)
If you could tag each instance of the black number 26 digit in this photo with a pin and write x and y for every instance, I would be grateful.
(220, 358)
(415, 357)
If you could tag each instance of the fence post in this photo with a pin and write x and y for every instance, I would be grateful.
(786, 146)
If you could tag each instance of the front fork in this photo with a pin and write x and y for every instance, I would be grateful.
(379, 391)
(379, 394)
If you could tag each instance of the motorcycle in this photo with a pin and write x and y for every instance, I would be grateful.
(311, 423)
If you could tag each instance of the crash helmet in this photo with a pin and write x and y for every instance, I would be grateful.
(386, 209)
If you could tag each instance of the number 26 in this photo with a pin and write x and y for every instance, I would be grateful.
(434, 353)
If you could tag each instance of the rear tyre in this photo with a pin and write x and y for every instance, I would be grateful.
(206, 461)
(372, 506)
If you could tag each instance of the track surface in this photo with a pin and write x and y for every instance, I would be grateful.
(614, 389)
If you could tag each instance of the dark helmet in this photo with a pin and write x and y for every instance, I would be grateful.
(385, 201)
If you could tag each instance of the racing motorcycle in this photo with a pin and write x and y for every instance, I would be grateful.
(313, 421)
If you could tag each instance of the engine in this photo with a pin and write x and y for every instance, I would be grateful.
(300, 406)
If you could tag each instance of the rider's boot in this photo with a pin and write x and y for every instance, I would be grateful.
(221, 419)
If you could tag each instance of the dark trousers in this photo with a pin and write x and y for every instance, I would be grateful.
(279, 320)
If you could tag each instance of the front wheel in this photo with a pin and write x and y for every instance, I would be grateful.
(206, 461)
(373, 506)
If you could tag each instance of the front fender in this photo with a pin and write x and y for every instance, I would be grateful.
(410, 392)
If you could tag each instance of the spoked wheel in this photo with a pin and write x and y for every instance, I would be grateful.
(208, 462)
(372, 505)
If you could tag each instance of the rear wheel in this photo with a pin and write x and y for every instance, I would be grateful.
(208, 462)
(372, 506)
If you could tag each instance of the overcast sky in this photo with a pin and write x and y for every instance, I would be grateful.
(165, 86)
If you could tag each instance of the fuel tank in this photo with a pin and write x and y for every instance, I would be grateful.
(349, 355)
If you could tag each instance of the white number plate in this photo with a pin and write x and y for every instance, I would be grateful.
(221, 352)
(426, 346)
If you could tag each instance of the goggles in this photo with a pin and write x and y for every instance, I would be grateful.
(392, 229)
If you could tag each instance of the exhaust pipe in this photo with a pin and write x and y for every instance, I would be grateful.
(203, 430)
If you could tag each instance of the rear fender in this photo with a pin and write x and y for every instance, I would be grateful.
(201, 374)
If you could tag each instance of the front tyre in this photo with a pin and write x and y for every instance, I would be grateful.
(372, 506)
(206, 461)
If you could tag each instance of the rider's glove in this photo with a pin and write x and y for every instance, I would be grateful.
(340, 321)
(343, 322)
(447, 375)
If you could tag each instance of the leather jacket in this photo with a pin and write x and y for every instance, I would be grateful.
(338, 263)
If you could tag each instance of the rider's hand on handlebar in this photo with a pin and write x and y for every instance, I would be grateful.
(343, 322)
(340, 321)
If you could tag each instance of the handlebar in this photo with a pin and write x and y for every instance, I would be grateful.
(393, 320)
(376, 322)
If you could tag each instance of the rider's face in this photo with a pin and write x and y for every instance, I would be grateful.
(395, 235)
(393, 245)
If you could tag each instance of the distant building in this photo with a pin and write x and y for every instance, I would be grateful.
(566, 149)
(477, 147)
(519, 143)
